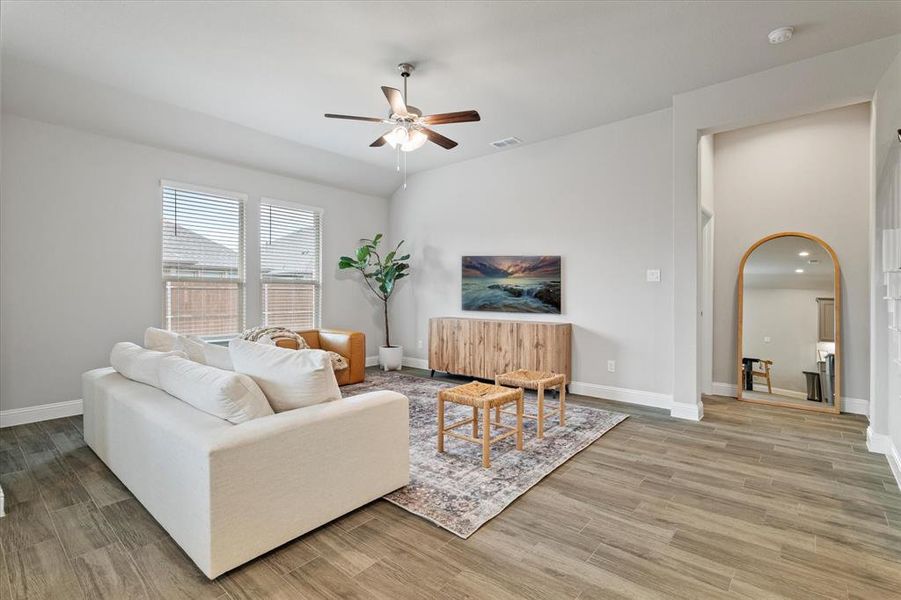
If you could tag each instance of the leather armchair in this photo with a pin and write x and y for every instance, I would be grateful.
(349, 344)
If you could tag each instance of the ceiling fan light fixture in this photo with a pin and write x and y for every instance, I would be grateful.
(396, 136)
(415, 140)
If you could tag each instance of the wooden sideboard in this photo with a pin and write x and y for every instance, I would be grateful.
(486, 347)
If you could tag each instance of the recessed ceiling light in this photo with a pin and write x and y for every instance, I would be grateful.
(780, 35)
(799, 270)
(804, 253)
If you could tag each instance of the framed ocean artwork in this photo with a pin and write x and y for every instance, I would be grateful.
(522, 284)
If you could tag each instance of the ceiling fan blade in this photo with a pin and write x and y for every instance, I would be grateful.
(379, 142)
(439, 139)
(463, 116)
(396, 100)
(353, 118)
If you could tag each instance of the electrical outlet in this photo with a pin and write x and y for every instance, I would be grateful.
(419, 343)
(653, 275)
(611, 366)
(767, 339)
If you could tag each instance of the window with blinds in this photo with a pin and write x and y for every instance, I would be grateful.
(290, 243)
(203, 261)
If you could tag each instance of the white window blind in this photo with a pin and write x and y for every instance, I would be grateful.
(290, 243)
(203, 261)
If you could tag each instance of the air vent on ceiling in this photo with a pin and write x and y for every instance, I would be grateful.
(510, 141)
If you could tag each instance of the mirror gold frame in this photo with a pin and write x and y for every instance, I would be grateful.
(837, 405)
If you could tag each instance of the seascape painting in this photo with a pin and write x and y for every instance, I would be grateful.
(524, 284)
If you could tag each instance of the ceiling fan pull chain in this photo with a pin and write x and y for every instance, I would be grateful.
(397, 158)
(405, 170)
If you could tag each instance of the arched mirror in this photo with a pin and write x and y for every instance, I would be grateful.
(789, 323)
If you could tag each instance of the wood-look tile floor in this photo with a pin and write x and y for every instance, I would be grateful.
(753, 502)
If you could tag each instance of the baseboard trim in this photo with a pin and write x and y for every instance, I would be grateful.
(415, 363)
(372, 361)
(854, 406)
(631, 396)
(894, 461)
(723, 389)
(42, 412)
(688, 412)
(880, 443)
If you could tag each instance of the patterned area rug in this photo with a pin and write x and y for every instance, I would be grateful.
(452, 489)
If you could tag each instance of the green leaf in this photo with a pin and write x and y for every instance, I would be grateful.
(404, 257)
(389, 258)
(376, 239)
(362, 254)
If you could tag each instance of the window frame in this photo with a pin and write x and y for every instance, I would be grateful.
(241, 280)
(269, 201)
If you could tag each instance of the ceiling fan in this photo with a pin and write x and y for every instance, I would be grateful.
(410, 129)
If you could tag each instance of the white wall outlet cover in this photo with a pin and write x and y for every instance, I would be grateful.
(611, 366)
(767, 339)
(653, 275)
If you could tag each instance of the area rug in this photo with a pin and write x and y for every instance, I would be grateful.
(452, 489)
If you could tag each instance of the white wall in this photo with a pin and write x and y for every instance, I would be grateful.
(600, 199)
(80, 250)
(826, 81)
(885, 410)
(808, 174)
(789, 318)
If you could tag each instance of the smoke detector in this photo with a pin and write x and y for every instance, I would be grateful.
(781, 35)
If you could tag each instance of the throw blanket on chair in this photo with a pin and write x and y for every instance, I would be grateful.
(270, 335)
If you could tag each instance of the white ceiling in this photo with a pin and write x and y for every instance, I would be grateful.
(533, 70)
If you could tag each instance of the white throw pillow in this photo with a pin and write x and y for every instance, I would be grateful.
(217, 356)
(230, 396)
(193, 347)
(138, 363)
(289, 378)
(160, 339)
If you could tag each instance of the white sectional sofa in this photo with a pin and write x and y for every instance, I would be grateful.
(228, 493)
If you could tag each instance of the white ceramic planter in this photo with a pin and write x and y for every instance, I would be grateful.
(391, 358)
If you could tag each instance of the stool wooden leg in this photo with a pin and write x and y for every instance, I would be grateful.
(440, 424)
(475, 422)
(497, 410)
(562, 399)
(486, 436)
(519, 421)
(540, 411)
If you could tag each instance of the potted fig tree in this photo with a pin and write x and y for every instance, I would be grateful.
(381, 275)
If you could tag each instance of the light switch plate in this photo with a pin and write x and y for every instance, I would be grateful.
(767, 339)
(653, 275)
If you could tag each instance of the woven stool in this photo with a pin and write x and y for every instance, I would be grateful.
(540, 381)
(485, 396)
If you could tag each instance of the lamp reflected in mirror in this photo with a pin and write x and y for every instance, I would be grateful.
(789, 325)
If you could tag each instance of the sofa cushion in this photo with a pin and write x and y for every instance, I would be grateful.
(160, 339)
(230, 396)
(192, 346)
(217, 356)
(139, 364)
(289, 378)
